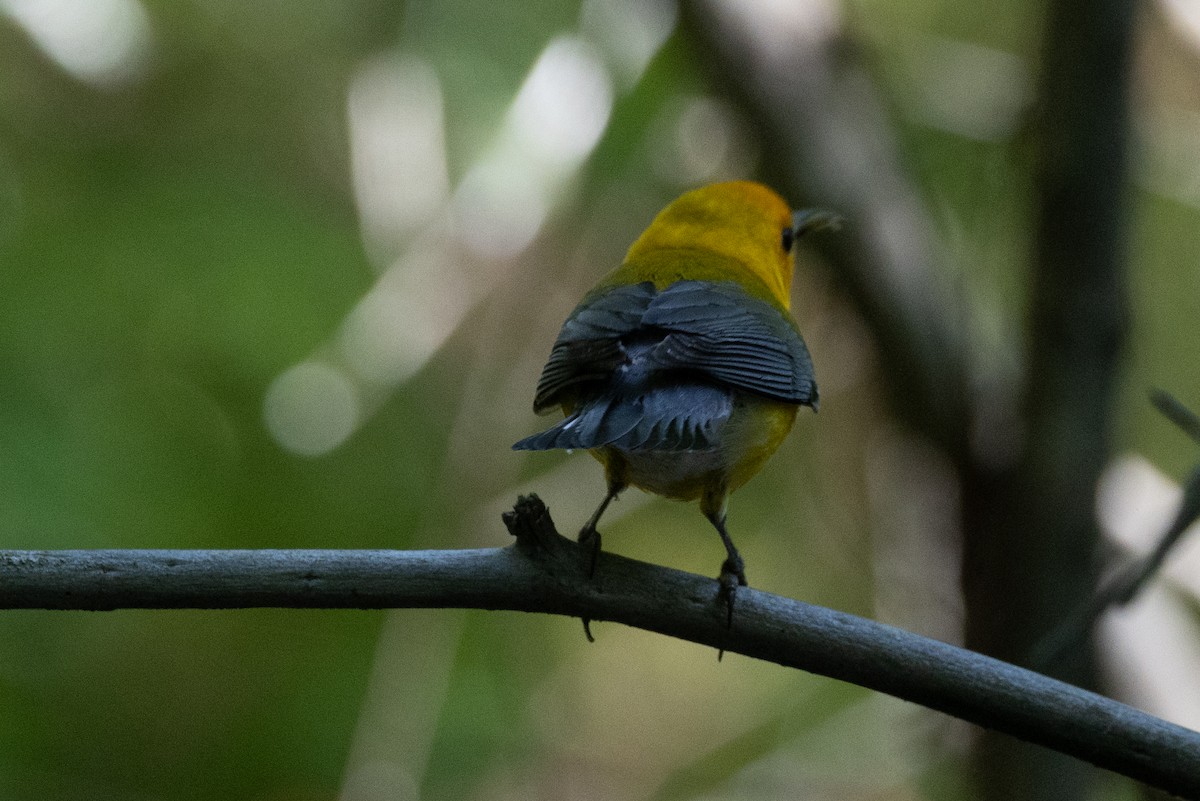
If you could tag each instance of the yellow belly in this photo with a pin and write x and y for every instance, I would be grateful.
(753, 432)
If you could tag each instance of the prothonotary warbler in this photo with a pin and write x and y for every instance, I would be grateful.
(682, 370)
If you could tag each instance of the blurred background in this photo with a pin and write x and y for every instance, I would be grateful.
(285, 274)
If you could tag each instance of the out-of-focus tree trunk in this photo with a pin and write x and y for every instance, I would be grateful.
(1030, 534)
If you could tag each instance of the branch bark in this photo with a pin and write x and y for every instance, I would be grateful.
(544, 572)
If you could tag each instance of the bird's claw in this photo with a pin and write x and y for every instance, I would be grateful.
(589, 541)
(734, 569)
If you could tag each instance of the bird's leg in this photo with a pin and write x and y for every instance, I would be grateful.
(733, 569)
(589, 539)
(733, 572)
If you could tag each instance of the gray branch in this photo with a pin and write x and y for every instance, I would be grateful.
(543, 572)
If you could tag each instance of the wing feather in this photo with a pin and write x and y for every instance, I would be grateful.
(720, 329)
(588, 347)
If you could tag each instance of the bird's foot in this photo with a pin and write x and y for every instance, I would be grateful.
(589, 540)
(733, 575)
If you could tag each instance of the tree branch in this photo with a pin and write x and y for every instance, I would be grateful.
(543, 572)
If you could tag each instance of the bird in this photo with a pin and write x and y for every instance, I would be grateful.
(682, 370)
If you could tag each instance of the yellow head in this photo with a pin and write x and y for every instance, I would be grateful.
(741, 221)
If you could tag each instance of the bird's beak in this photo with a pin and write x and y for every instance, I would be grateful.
(808, 220)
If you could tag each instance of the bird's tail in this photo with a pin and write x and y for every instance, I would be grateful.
(596, 423)
(683, 417)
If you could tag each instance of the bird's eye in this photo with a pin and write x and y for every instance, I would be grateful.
(789, 238)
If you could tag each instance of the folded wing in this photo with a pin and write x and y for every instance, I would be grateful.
(645, 369)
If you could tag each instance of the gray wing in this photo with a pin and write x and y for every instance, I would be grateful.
(588, 348)
(714, 328)
(740, 340)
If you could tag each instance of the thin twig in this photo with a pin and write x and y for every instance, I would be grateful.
(543, 573)
(1127, 582)
(1176, 412)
